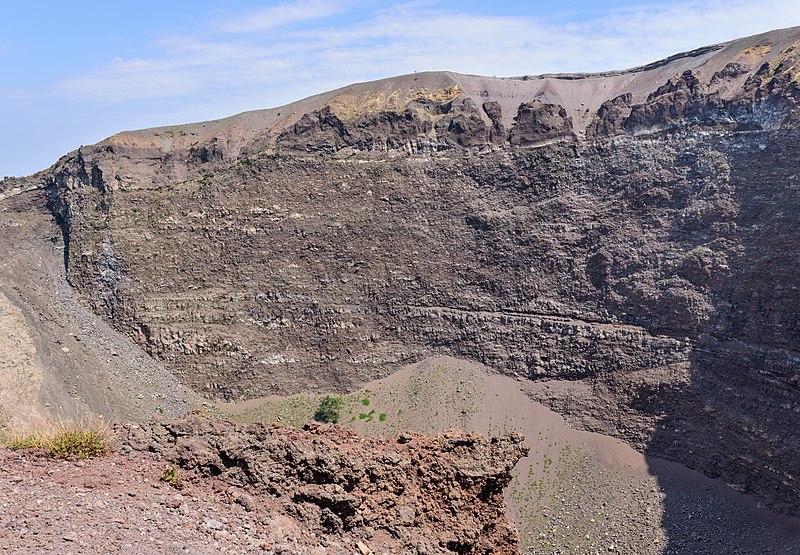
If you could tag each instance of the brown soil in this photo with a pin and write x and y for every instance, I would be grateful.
(118, 504)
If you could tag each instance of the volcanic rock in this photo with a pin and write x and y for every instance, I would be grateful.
(626, 241)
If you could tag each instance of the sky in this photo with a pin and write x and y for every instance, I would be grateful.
(73, 73)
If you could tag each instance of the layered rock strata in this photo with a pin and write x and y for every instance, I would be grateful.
(625, 240)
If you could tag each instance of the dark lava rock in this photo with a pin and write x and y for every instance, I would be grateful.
(537, 122)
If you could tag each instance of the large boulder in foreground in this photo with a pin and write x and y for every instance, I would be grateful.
(409, 494)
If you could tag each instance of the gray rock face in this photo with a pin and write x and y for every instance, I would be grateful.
(537, 122)
(640, 264)
(611, 117)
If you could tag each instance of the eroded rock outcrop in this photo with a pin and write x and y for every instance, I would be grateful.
(682, 100)
(497, 133)
(611, 117)
(537, 122)
(422, 125)
(410, 494)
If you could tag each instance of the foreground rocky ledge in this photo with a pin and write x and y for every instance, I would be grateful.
(409, 494)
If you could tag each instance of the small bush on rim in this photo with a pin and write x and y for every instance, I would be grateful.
(64, 440)
(328, 410)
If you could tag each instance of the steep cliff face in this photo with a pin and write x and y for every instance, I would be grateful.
(626, 240)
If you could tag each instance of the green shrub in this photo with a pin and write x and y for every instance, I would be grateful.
(328, 409)
(366, 415)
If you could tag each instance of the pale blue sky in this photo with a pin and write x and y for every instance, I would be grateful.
(76, 72)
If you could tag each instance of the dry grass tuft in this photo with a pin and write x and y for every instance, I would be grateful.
(74, 440)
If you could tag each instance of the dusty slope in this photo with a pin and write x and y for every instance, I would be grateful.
(58, 359)
(20, 374)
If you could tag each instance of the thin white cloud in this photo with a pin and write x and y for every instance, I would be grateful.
(700, 23)
(25, 95)
(293, 61)
(282, 15)
(127, 80)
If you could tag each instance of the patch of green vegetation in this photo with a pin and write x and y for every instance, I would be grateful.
(382, 416)
(366, 416)
(76, 444)
(23, 441)
(365, 402)
(171, 476)
(328, 409)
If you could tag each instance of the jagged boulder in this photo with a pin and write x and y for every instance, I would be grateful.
(610, 118)
(537, 122)
(441, 494)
